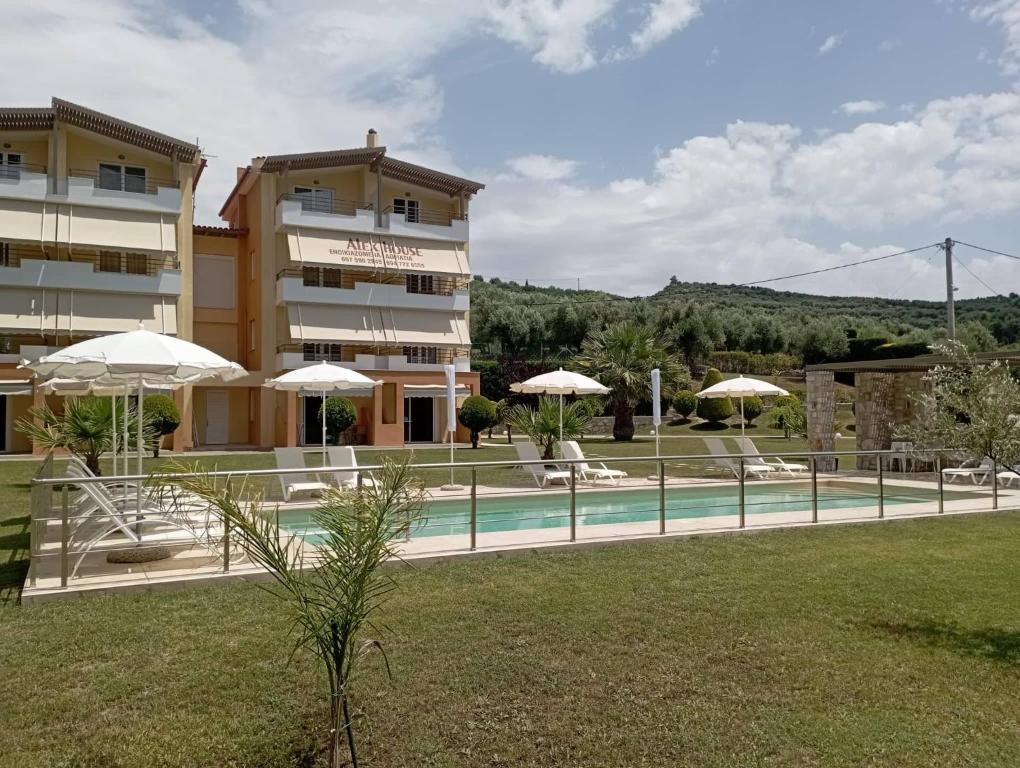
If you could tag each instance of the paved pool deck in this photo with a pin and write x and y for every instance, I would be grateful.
(192, 566)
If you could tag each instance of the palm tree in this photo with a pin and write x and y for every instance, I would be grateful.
(85, 428)
(622, 357)
(542, 426)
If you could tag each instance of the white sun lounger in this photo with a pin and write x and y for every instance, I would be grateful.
(596, 470)
(293, 458)
(540, 473)
(343, 456)
(752, 467)
(978, 472)
(778, 465)
(1009, 476)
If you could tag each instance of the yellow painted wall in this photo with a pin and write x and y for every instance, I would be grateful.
(17, 408)
(86, 151)
(346, 183)
(237, 428)
(33, 148)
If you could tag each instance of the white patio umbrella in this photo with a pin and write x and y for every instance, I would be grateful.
(323, 379)
(560, 383)
(141, 358)
(742, 387)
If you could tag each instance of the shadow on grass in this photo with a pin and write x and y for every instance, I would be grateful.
(709, 426)
(995, 644)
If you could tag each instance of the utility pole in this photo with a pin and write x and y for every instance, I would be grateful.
(950, 303)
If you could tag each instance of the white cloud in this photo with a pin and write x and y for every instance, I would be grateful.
(830, 43)
(741, 206)
(1005, 13)
(862, 107)
(543, 167)
(663, 19)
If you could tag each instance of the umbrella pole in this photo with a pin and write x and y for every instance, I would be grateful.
(113, 406)
(138, 498)
(323, 427)
(124, 433)
(741, 419)
(561, 423)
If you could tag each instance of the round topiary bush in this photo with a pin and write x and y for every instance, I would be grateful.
(753, 408)
(685, 403)
(477, 413)
(341, 415)
(714, 409)
(161, 414)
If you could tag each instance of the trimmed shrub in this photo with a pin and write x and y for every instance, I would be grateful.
(341, 415)
(477, 413)
(161, 414)
(753, 407)
(714, 409)
(685, 403)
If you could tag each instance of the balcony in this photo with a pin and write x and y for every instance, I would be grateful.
(24, 181)
(142, 194)
(358, 216)
(291, 287)
(292, 356)
(26, 267)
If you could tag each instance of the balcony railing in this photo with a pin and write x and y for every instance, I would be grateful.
(12, 256)
(13, 172)
(443, 355)
(340, 207)
(427, 216)
(147, 185)
(441, 285)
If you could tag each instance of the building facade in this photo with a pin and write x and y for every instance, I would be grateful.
(349, 256)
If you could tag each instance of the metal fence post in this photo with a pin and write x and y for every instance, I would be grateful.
(881, 490)
(814, 490)
(662, 498)
(573, 502)
(474, 507)
(65, 536)
(995, 484)
(938, 470)
(741, 481)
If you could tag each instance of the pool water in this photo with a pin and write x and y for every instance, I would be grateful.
(521, 511)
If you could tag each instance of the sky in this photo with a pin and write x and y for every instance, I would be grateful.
(621, 143)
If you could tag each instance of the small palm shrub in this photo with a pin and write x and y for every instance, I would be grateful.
(543, 425)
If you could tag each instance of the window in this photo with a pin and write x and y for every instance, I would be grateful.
(315, 199)
(407, 208)
(109, 261)
(137, 264)
(316, 353)
(422, 354)
(421, 284)
(10, 165)
(5, 255)
(251, 335)
(331, 277)
(125, 178)
(310, 275)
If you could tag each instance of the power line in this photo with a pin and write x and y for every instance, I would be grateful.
(971, 273)
(749, 284)
(987, 250)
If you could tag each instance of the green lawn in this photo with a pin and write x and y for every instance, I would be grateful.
(879, 645)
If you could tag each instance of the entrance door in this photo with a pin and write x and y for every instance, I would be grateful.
(419, 419)
(217, 417)
(313, 422)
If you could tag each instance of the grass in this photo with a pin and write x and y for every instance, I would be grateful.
(879, 645)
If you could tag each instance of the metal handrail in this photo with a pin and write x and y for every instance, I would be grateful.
(152, 184)
(430, 216)
(339, 207)
(479, 464)
(14, 170)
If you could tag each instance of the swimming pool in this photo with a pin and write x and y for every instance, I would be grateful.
(446, 517)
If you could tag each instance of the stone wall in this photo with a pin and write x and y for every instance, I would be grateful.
(821, 415)
(884, 400)
(603, 425)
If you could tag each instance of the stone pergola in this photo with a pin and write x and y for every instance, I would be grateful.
(884, 400)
